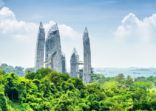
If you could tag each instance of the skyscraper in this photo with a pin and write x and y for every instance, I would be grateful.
(39, 62)
(55, 60)
(87, 57)
(74, 64)
(63, 64)
(53, 57)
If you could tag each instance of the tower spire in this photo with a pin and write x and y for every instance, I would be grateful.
(53, 28)
(87, 56)
(41, 25)
(39, 63)
(74, 51)
(86, 30)
(74, 66)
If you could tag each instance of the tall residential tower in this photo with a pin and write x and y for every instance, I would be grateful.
(64, 64)
(39, 62)
(54, 59)
(87, 57)
(53, 55)
(74, 64)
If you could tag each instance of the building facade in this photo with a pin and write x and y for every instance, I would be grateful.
(64, 64)
(53, 53)
(87, 57)
(40, 46)
(74, 64)
(49, 54)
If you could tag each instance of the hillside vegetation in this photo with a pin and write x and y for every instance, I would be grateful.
(47, 90)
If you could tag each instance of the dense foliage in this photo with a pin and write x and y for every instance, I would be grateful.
(47, 90)
(8, 68)
(16, 69)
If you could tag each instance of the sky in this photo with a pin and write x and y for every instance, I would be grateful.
(122, 32)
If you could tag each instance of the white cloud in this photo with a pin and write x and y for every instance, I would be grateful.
(65, 31)
(132, 29)
(26, 31)
(19, 36)
(6, 13)
(15, 29)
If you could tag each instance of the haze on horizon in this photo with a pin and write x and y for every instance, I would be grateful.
(122, 32)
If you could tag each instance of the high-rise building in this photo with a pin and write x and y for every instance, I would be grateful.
(87, 57)
(53, 55)
(54, 58)
(39, 60)
(63, 64)
(74, 64)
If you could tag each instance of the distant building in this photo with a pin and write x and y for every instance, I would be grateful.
(53, 54)
(85, 73)
(64, 64)
(87, 57)
(74, 64)
(54, 59)
(39, 62)
(81, 74)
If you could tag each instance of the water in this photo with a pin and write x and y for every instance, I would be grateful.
(133, 72)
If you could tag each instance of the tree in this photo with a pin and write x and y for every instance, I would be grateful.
(3, 103)
(30, 75)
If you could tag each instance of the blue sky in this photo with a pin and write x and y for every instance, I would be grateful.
(112, 25)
